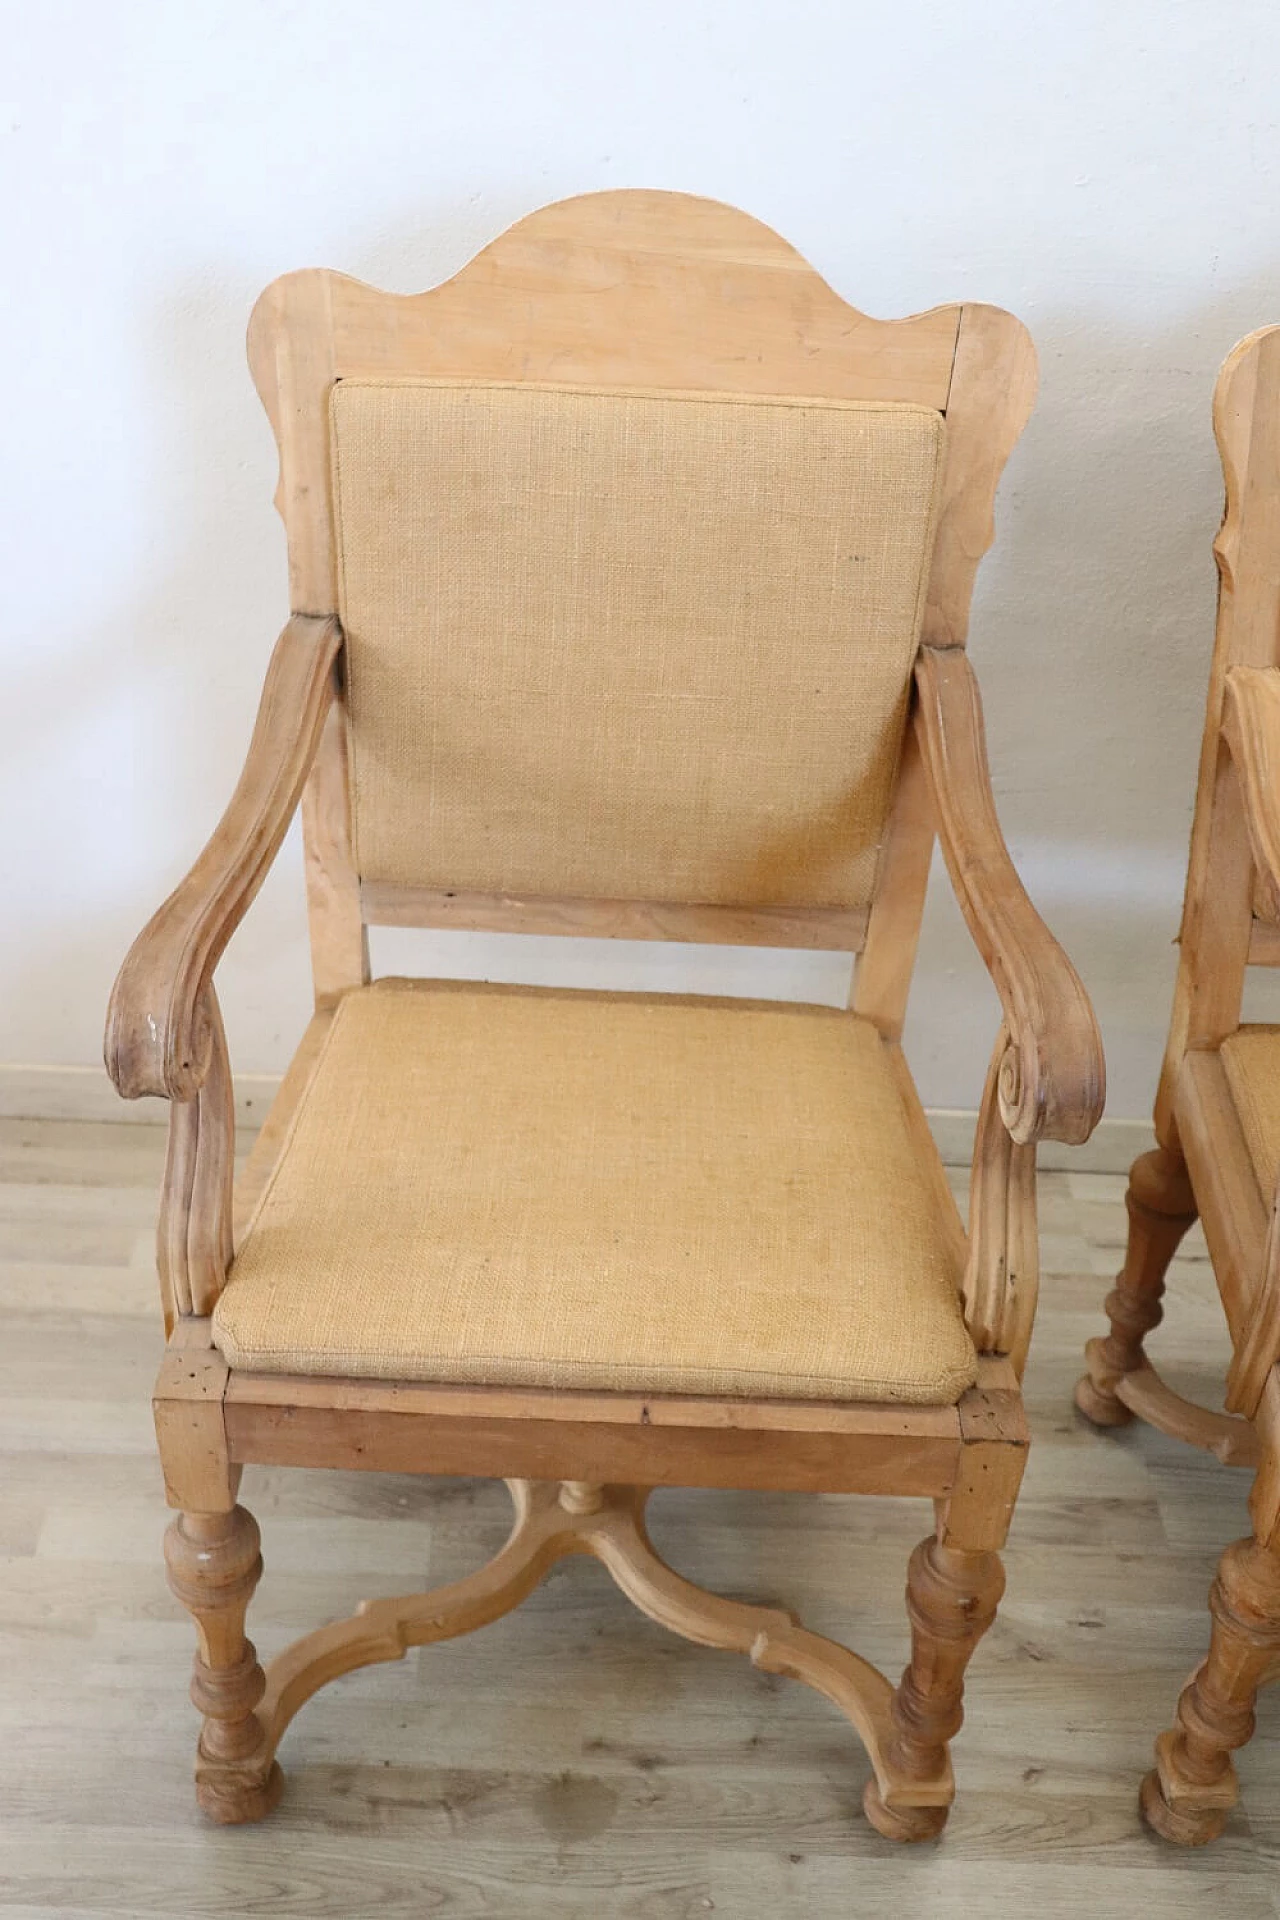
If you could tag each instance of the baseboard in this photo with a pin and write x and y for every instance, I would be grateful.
(1113, 1148)
(85, 1093)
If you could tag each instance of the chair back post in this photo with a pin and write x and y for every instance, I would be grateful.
(1220, 932)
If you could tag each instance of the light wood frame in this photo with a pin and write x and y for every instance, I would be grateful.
(657, 291)
(1201, 1165)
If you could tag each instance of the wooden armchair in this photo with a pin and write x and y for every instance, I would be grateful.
(631, 572)
(1217, 1118)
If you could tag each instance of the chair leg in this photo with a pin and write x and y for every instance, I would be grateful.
(214, 1565)
(1162, 1208)
(952, 1596)
(1188, 1795)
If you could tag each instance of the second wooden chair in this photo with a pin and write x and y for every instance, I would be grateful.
(1217, 1119)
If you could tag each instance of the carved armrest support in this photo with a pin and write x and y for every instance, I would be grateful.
(162, 1030)
(1051, 1079)
(1251, 729)
(1002, 1275)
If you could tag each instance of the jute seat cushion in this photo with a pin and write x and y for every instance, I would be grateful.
(565, 1189)
(1251, 1059)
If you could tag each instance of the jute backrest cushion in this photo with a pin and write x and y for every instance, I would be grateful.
(628, 646)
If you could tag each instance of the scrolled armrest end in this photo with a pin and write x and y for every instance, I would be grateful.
(150, 1047)
(1062, 1100)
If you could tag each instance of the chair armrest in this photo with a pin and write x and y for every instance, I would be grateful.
(1051, 1080)
(1251, 729)
(159, 1039)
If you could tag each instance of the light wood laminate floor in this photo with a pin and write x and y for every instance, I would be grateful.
(574, 1759)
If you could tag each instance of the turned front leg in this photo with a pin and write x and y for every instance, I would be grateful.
(214, 1564)
(1188, 1796)
(952, 1596)
(1161, 1208)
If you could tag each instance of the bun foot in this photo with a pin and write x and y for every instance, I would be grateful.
(902, 1823)
(1101, 1409)
(1184, 1826)
(235, 1803)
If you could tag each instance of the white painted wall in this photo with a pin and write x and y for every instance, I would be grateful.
(1109, 171)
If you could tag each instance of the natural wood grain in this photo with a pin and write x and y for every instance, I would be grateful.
(633, 289)
(1162, 1209)
(879, 1459)
(574, 1748)
(1202, 1165)
(1052, 1080)
(194, 1233)
(1258, 1341)
(952, 1596)
(607, 1523)
(1226, 1188)
(835, 929)
(373, 1426)
(976, 1515)
(214, 1565)
(1251, 729)
(442, 1404)
(1194, 1786)
(190, 1430)
(1217, 919)
(158, 1032)
(1264, 1494)
(1264, 944)
(1002, 1268)
(164, 1030)
(339, 942)
(882, 977)
(993, 389)
(1229, 1438)
(776, 1643)
(643, 291)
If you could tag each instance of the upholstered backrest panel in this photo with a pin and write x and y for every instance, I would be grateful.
(624, 645)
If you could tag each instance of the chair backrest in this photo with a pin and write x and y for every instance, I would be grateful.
(633, 528)
(1227, 922)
